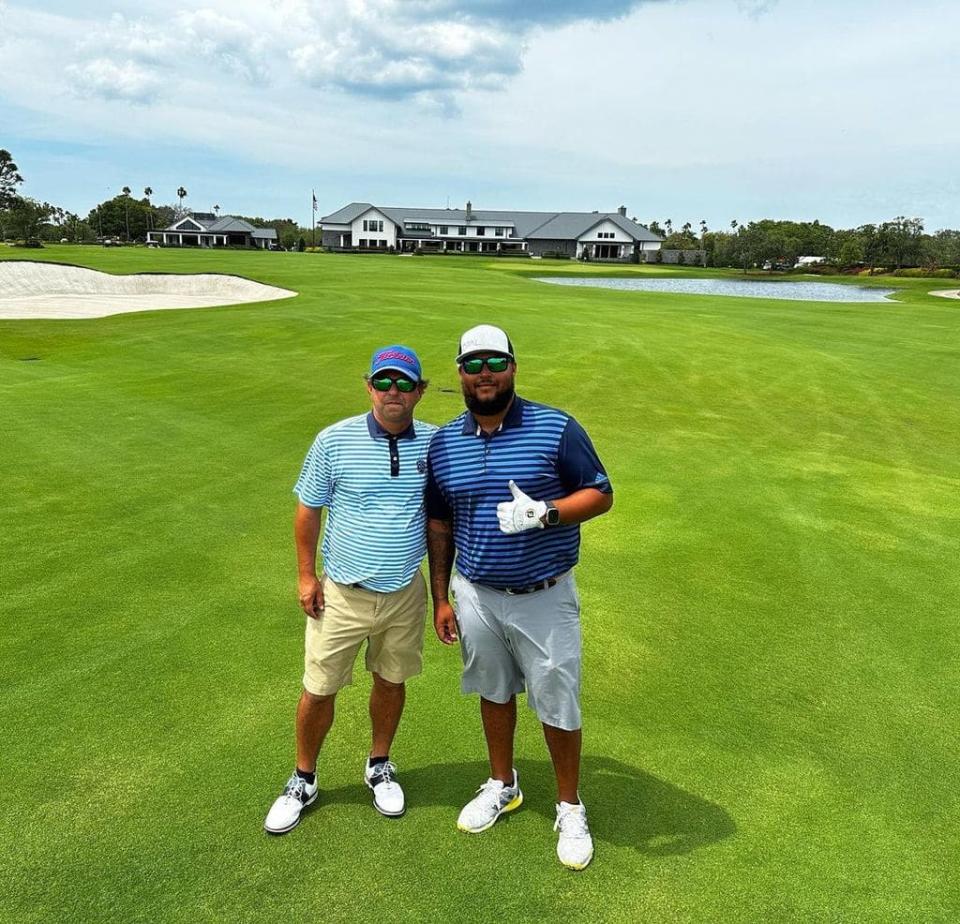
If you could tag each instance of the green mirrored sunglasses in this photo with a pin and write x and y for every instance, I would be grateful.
(493, 363)
(384, 383)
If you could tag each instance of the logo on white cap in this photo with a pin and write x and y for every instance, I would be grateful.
(485, 338)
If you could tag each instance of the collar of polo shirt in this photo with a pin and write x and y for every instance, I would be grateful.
(513, 418)
(378, 433)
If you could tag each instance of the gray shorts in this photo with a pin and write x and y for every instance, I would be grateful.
(512, 642)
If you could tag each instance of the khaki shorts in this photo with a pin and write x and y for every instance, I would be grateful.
(390, 623)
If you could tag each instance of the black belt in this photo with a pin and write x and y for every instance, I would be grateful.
(530, 588)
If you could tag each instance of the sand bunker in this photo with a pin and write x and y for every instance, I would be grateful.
(51, 290)
(947, 293)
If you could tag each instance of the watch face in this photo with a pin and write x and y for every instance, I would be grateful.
(553, 516)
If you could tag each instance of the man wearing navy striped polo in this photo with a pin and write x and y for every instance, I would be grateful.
(369, 473)
(509, 483)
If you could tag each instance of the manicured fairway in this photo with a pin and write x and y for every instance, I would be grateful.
(772, 654)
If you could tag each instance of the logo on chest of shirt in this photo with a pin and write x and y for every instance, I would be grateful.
(421, 465)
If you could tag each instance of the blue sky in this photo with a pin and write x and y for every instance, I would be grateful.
(682, 109)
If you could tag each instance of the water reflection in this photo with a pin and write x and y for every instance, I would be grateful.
(744, 288)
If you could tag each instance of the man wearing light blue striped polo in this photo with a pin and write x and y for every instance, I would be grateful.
(369, 473)
(509, 483)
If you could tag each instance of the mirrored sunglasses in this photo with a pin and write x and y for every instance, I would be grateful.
(493, 363)
(383, 383)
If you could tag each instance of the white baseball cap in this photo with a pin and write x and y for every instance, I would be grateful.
(484, 338)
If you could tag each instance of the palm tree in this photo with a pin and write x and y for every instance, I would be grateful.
(147, 193)
(668, 224)
(126, 209)
(181, 195)
(216, 210)
(734, 224)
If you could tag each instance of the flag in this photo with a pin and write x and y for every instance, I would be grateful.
(314, 201)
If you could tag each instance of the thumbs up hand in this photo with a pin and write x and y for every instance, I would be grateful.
(520, 514)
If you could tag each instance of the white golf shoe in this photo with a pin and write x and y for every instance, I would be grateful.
(387, 794)
(284, 814)
(575, 847)
(493, 799)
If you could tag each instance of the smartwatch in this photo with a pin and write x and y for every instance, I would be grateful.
(552, 517)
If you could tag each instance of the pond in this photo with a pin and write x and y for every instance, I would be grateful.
(748, 288)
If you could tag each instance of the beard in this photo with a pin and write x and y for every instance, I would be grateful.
(489, 406)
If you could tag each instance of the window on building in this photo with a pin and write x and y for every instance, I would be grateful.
(481, 232)
(498, 232)
(379, 225)
(462, 229)
(444, 229)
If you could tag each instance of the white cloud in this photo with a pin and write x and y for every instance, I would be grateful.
(393, 49)
(111, 80)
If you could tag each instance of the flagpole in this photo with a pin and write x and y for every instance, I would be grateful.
(313, 212)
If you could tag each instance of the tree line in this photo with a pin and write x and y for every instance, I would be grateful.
(895, 244)
(123, 217)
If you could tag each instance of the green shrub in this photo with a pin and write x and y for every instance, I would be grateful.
(918, 272)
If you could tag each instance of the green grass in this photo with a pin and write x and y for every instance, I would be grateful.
(770, 610)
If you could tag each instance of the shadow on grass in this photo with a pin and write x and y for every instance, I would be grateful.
(628, 807)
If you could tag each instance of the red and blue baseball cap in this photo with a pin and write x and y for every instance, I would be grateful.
(398, 358)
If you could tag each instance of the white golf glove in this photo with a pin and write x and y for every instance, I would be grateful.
(522, 513)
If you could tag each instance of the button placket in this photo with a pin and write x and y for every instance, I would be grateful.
(394, 456)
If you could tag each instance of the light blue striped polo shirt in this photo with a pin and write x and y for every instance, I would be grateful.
(372, 484)
(547, 453)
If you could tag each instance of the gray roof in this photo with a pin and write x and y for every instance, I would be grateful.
(345, 215)
(225, 224)
(533, 225)
(268, 233)
(228, 224)
(571, 225)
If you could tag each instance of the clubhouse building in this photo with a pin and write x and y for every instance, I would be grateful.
(578, 235)
(202, 229)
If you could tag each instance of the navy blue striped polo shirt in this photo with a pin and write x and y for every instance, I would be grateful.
(372, 485)
(547, 453)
